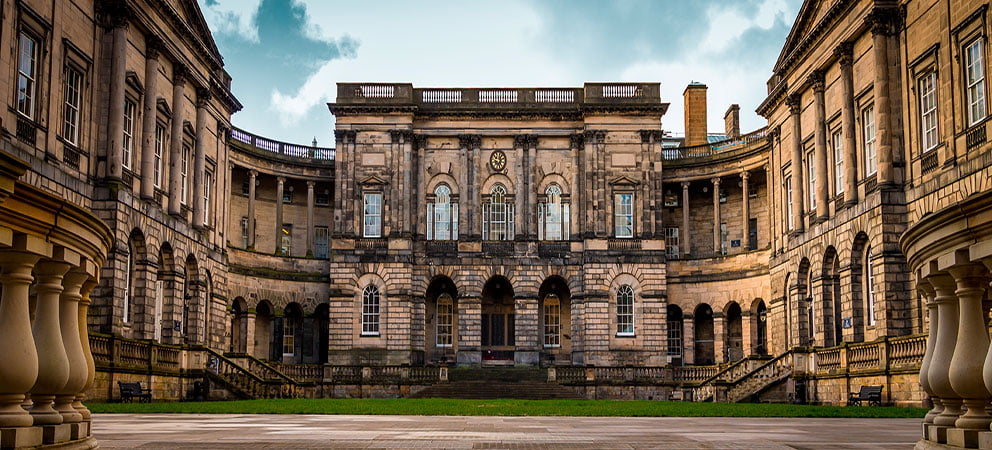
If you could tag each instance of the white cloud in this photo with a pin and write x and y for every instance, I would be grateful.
(233, 17)
(727, 25)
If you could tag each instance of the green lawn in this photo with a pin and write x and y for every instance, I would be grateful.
(451, 407)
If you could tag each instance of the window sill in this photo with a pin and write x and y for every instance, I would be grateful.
(625, 335)
(369, 334)
(552, 346)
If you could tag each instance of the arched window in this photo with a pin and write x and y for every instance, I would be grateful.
(553, 216)
(497, 216)
(445, 321)
(442, 216)
(370, 311)
(552, 321)
(625, 311)
(128, 282)
(869, 288)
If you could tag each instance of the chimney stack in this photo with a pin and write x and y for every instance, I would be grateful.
(695, 114)
(732, 121)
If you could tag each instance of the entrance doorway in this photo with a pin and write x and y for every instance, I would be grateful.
(498, 322)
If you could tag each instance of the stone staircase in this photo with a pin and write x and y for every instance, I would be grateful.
(523, 383)
(745, 380)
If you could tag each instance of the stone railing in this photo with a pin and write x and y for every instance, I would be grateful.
(550, 98)
(383, 375)
(904, 352)
(282, 148)
(112, 353)
(752, 382)
(757, 137)
(302, 373)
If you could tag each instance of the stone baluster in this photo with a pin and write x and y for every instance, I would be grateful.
(252, 181)
(947, 335)
(53, 363)
(84, 339)
(20, 361)
(686, 233)
(928, 293)
(149, 117)
(72, 285)
(716, 215)
(965, 371)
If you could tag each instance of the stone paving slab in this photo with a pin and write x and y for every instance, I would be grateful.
(234, 431)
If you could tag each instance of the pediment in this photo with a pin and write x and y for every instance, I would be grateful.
(163, 107)
(624, 181)
(132, 81)
(373, 181)
(193, 16)
(809, 14)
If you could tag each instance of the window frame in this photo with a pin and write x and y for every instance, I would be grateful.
(30, 110)
(285, 244)
(161, 141)
(71, 72)
(321, 250)
(672, 242)
(441, 215)
(371, 310)
(498, 203)
(789, 203)
(208, 182)
(551, 315)
(837, 148)
(869, 287)
(979, 83)
(811, 179)
(554, 199)
(932, 113)
(445, 320)
(128, 130)
(625, 320)
(376, 216)
(618, 197)
(869, 141)
(184, 173)
(289, 325)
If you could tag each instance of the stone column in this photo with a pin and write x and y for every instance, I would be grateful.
(795, 109)
(115, 123)
(200, 158)
(527, 331)
(149, 117)
(310, 184)
(746, 212)
(249, 347)
(20, 368)
(686, 235)
(716, 215)
(845, 56)
(176, 142)
(928, 294)
(53, 364)
(965, 372)
(940, 362)
(252, 180)
(688, 339)
(72, 284)
(84, 305)
(280, 181)
(881, 21)
(719, 338)
(816, 79)
(469, 330)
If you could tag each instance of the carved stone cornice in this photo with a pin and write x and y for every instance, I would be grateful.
(816, 80)
(845, 53)
(595, 136)
(345, 136)
(795, 103)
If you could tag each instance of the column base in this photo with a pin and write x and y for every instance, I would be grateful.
(79, 430)
(20, 437)
(55, 434)
(959, 437)
(937, 433)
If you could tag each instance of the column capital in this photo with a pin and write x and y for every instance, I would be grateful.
(715, 180)
(795, 103)
(253, 173)
(576, 140)
(817, 81)
(470, 141)
(153, 46)
(310, 184)
(685, 185)
(203, 97)
(179, 74)
(845, 53)
(745, 174)
(884, 21)
(281, 180)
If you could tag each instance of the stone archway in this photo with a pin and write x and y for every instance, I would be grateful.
(441, 321)
(734, 333)
(239, 326)
(555, 317)
(498, 326)
(704, 351)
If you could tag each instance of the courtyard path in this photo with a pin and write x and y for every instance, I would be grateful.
(235, 431)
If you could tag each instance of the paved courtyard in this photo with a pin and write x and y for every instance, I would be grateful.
(446, 432)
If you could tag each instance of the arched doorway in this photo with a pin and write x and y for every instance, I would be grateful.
(833, 322)
(262, 347)
(734, 336)
(703, 328)
(289, 334)
(760, 314)
(805, 303)
(555, 315)
(675, 342)
(239, 326)
(441, 321)
(498, 321)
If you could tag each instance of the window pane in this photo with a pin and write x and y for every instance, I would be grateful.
(975, 74)
(70, 112)
(871, 161)
(552, 321)
(625, 310)
(623, 215)
(838, 147)
(928, 111)
(27, 61)
(370, 310)
(373, 215)
(127, 142)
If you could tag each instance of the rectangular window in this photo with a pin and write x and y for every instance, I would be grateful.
(287, 196)
(871, 154)
(286, 239)
(752, 234)
(723, 239)
(184, 175)
(289, 337)
(445, 321)
(788, 202)
(975, 79)
(320, 242)
(72, 99)
(27, 66)
(552, 321)
(623, 211)
(322, 199)
(838, 148)
(811, 174)
(244, 232)
(245, 187)
(928, 111)
(208, 184)
(373, 215)
(672, 242)
(127, 143)
(159, 147)
(675, 338)
(370, 311)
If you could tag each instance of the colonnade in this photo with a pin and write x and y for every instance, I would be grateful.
(280, 187)
(47, 366)
(686, 238)
(956, 372)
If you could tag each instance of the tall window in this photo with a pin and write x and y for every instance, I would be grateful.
(836, 141)
(788, 202)
(320, 242)
(286, 239)
(869, 288)
(128, 282)
(289, 336)
(373, 216)
(442, 216)
(445, 321)
(208, 184)
(184, 175)
(928, 111)
(159, 145)
(625, 311)
(871, 154)
(244, 232)
(370, 311)
(127, 142)
(72, 93)
(672, 242)
(975, 78)
(811, 174)
(723, 238)
(553, 216)
(674, 338)
(623, 215)
(552, 321)
(27, 66)
(497, 216)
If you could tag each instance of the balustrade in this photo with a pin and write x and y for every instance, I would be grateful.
(283, 148)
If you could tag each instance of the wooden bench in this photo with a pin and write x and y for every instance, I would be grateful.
(872, 395)
(131, 391)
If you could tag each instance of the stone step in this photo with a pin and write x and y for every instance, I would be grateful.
(494, 390)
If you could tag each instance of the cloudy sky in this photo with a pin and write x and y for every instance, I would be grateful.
(286, 55)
